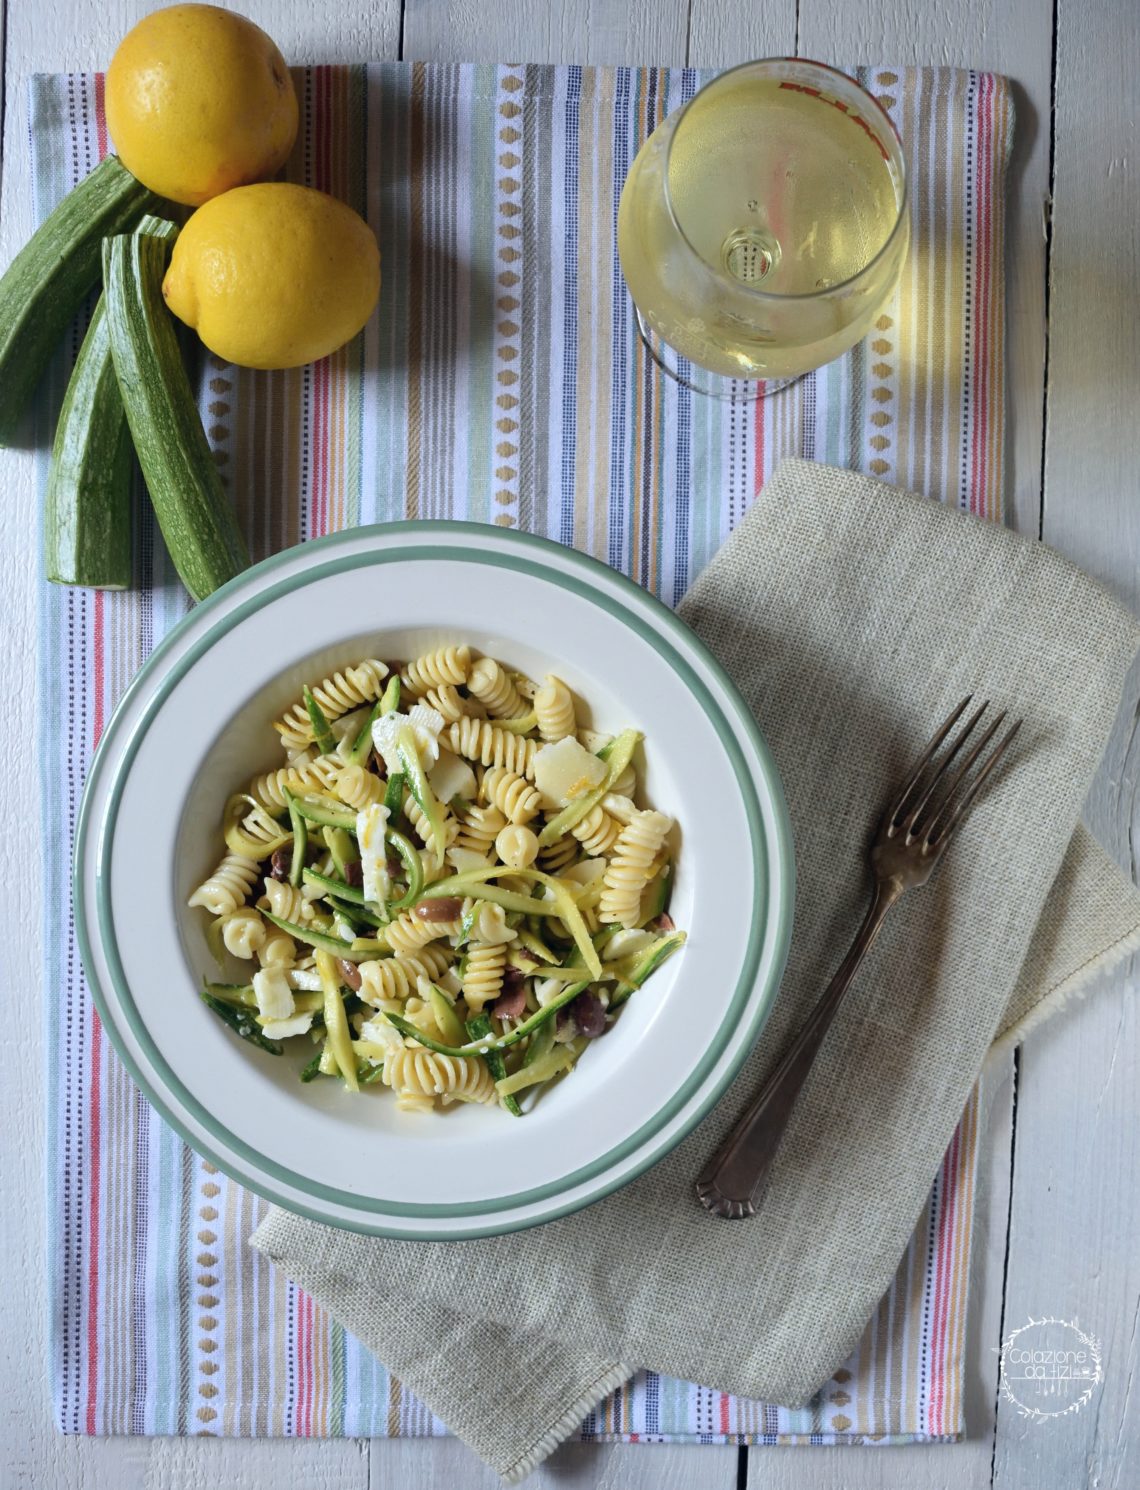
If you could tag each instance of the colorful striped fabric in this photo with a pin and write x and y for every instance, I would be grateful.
(502, 381)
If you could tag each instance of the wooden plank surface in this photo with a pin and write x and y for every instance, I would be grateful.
(1074, 1201)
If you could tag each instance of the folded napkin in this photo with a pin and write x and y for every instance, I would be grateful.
(852, 616)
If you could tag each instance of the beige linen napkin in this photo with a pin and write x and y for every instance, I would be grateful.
(852, 616)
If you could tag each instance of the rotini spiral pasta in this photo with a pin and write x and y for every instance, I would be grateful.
(512, 794)
(228, 886)
(554, 706)
(243, 932)
(492, 686)
(416, 1075)
(408, 933)
(435, 669)
(478, 828)
(483, 974)
(481, 741)
(414, 814)
(302, 776)
(336, 695)
(597, 832)
(278, 949)
(359, 788)
(285, 901)
(392, 978)
(560, 854)
(448, 701)
(517, 846)
(631, 867)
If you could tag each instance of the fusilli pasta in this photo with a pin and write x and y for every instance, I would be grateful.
(512, 794)
(228, 886)
(481, 741)
(631, 867)
(554, 707)
(492, 686)
(435, 669)
(335, 695)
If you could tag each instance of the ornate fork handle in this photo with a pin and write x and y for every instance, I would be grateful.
(731, 1182)
(911, 840)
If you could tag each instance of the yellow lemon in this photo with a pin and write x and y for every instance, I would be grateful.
(199, 100)
(274, 275)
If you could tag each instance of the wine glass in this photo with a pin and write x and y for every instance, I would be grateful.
(763, 226)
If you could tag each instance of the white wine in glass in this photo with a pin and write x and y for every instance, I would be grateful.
(763, 226)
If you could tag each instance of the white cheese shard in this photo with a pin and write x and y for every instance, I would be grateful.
(273, 994)
(626, 943)
(452, 777)
(567, 770)
(371, 826)
(425, 723)
(285, 1029)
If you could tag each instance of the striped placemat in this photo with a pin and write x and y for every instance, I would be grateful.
(502, 381)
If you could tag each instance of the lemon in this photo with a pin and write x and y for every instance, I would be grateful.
(199, 100)
(274, 275)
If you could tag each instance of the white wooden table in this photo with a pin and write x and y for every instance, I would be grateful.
(1058, 1227)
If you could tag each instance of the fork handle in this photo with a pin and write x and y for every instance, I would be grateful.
(731, 1182)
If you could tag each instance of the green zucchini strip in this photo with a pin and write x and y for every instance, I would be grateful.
(563, 903)
(501, 1042)
(321, 940)
(300, 840)
(242, 1023)
(336, 1021)
(322, 734)
(362, 745)
(480, 1028)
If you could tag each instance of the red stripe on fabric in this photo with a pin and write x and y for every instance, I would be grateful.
(981, 318)
(943, 1270)
(724, 1412)
(100, 115)
(93, 1228)
(758, 471)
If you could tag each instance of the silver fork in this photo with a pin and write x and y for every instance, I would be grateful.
(912, 837)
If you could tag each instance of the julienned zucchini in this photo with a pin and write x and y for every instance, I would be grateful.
(45, 284)
(193, 511)
(87, 519)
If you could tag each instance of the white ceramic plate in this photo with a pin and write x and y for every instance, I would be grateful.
(195, 725)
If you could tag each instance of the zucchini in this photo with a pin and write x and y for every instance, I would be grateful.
(196, 517)
(321, 940)
(323, 811)
(361, 747)
(480, 1028)
(300, 834)
(418, 786)
(336, 1024)
(394, 794)
(500, 1042)
(242, 1022)
(342, 848)
(87, 517)
(557, 1059)
(449, 1023)
(48, 280)
(323, 737)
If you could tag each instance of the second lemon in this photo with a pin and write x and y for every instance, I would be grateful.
(274, 275)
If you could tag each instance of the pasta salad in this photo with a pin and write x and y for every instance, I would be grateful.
(448, 888)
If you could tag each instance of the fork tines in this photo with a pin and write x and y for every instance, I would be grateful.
(944, 797)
